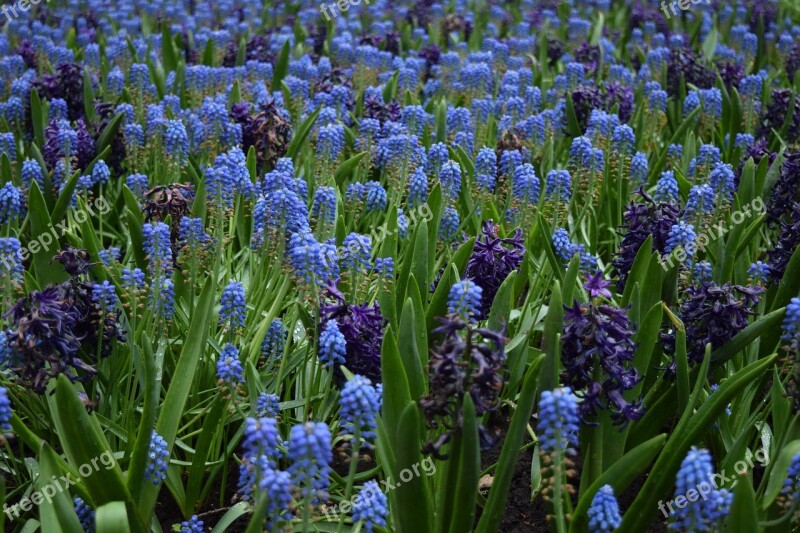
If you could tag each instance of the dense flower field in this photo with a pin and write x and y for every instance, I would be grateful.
(400, 266)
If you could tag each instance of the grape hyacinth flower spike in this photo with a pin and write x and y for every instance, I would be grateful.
(604, 514)
(558, 439)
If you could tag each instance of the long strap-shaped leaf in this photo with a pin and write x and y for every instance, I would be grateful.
(619, 476)
(496, 502)
(84, 444)
(182, 378)
(689, 429)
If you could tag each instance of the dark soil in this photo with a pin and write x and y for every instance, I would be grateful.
(521, 514)
(168, 512)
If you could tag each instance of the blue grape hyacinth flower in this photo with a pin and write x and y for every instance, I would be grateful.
(371, 507)
(603, 513)
(157, 459)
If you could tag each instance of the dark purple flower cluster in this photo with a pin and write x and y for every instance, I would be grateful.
(430, 53)
(758, 151)
(105, 112)
(786, 190)
(256, 49)
(66, 83)
(598, 341)
(586, 99)
(49, 328)
(375, 107)
(711, 314)
(684, 63)
(775, 115)
(787, 243)
(763, 14)
(81, 155)
(642, 220)
(589, 56)
(620, 97)
(27, 52)
(469, 360)
(643, 12)
(555, 50)
(493, 259)
(362, 327)
(792, 62)
(731, 73)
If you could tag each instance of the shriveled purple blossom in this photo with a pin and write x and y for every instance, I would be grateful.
(469, 360)
(712, 314)
(51, 328)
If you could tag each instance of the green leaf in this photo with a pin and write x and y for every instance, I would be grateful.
(38, 118)
(502, 304)
(743, 517)
(281, 67)
(111, 518)
(88, 97)
(197, 471)
(496, 501)
(640, 265)
(620, 475)
(41, 230)
(573, 127)
(419, 261)
(413, 497)
(301, 134)
(754, 331)
(409, 353)
(396, 392)
(109, 133)
(141, 447)
(420, 330)
(465, 492)
(135, 231)
(689, 430)
(682, 363)
(57, 508)
(553, 326)
(168, 54)
(790, 284)
(231, 516)
(181, 385)
(241, 54)
(84, 442)
(346, 169)
(646, 338)
(438, 305)
(208, 54)
(64, 198)
(779, 471)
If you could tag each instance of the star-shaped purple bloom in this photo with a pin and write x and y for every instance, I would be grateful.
(596, 286)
